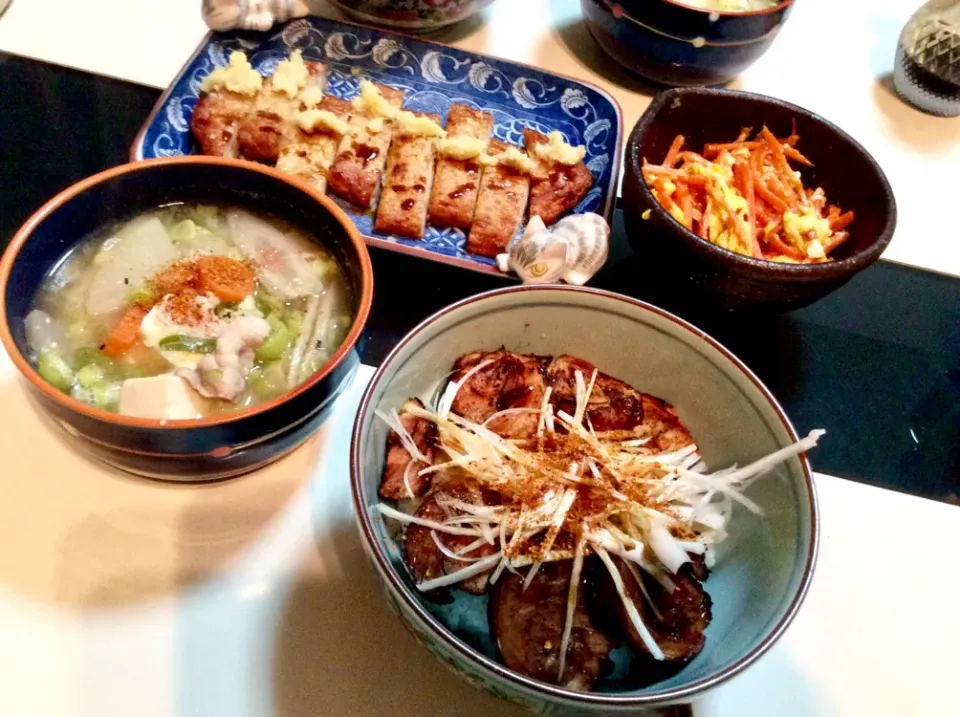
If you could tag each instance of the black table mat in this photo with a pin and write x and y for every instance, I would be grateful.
(877, 363)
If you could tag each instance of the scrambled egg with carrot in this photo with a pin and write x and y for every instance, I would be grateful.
(746, 197)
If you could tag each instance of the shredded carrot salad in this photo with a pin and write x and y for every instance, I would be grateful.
(744, 196)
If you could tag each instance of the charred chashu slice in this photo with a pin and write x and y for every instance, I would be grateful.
(507, 381)
(310, 154)
(616, 406)
(271, 124)
(555, 188)
(676, 624)
(401, 479)
(362, 155)
(613, 404)
(528, 628)
(457, 182)
(216, 120)
(501, 203)
(407, 183)
(421, 553)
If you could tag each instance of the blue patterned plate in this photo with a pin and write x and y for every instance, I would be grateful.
(434, 77)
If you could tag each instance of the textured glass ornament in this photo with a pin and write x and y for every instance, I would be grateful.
(927, 72)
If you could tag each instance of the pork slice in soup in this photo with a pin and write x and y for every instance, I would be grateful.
(189, 311)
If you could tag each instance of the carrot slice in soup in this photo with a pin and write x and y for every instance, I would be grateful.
(126, 332)
(228, 279)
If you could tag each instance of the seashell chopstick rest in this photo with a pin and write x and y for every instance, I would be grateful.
(572, 250)
(223, 15)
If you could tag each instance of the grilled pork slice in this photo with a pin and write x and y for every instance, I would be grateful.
(309, 155)
(362, 155)
(508, 381)
(455, 188)
(400, 479)
(216, 120)
(556, 188)
(501, 203)
(263, 132)
(528, 627)
(617, 406)
(613, 405)
(677, 625)
(421, 553)
(407, 183)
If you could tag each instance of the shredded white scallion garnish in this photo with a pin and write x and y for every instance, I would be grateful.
(452, 578)
(635, 618)
(452, 554)
(407, 518)
(571, 606)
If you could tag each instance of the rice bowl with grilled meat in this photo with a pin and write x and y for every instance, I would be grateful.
(578, 504)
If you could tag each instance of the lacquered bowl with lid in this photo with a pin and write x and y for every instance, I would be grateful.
(672, 43)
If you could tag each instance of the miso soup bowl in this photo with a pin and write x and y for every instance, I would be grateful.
(183, 450)
(763, 570)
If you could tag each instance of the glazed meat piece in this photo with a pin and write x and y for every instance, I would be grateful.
(457, 181)
(661, 423)
(216, 119)
(393, 485)
(509, 381)
(613, 405)
(421, 553)
(678, 624)
(528, 628)
(407, 184)
(556, 188)
(308, 155)
(501, 202)
(617, 406)
(270, 125)
(362, 155)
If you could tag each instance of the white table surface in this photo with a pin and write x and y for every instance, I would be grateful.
(251, 598)
(834, 57)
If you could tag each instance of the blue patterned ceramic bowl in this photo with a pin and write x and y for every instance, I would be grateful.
(433, 77)
(184, 450)
(411, 15)
(762, 571)
(674, 44)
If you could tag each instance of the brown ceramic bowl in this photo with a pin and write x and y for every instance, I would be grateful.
(185, 450)
(682, 260)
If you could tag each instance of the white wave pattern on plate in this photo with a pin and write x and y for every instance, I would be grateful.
(299, 34)
(531, 93)
(432, 68)
(487, 78)
(344, 45)
(392, 55)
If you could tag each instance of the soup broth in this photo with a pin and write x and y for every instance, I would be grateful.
(189, 311)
